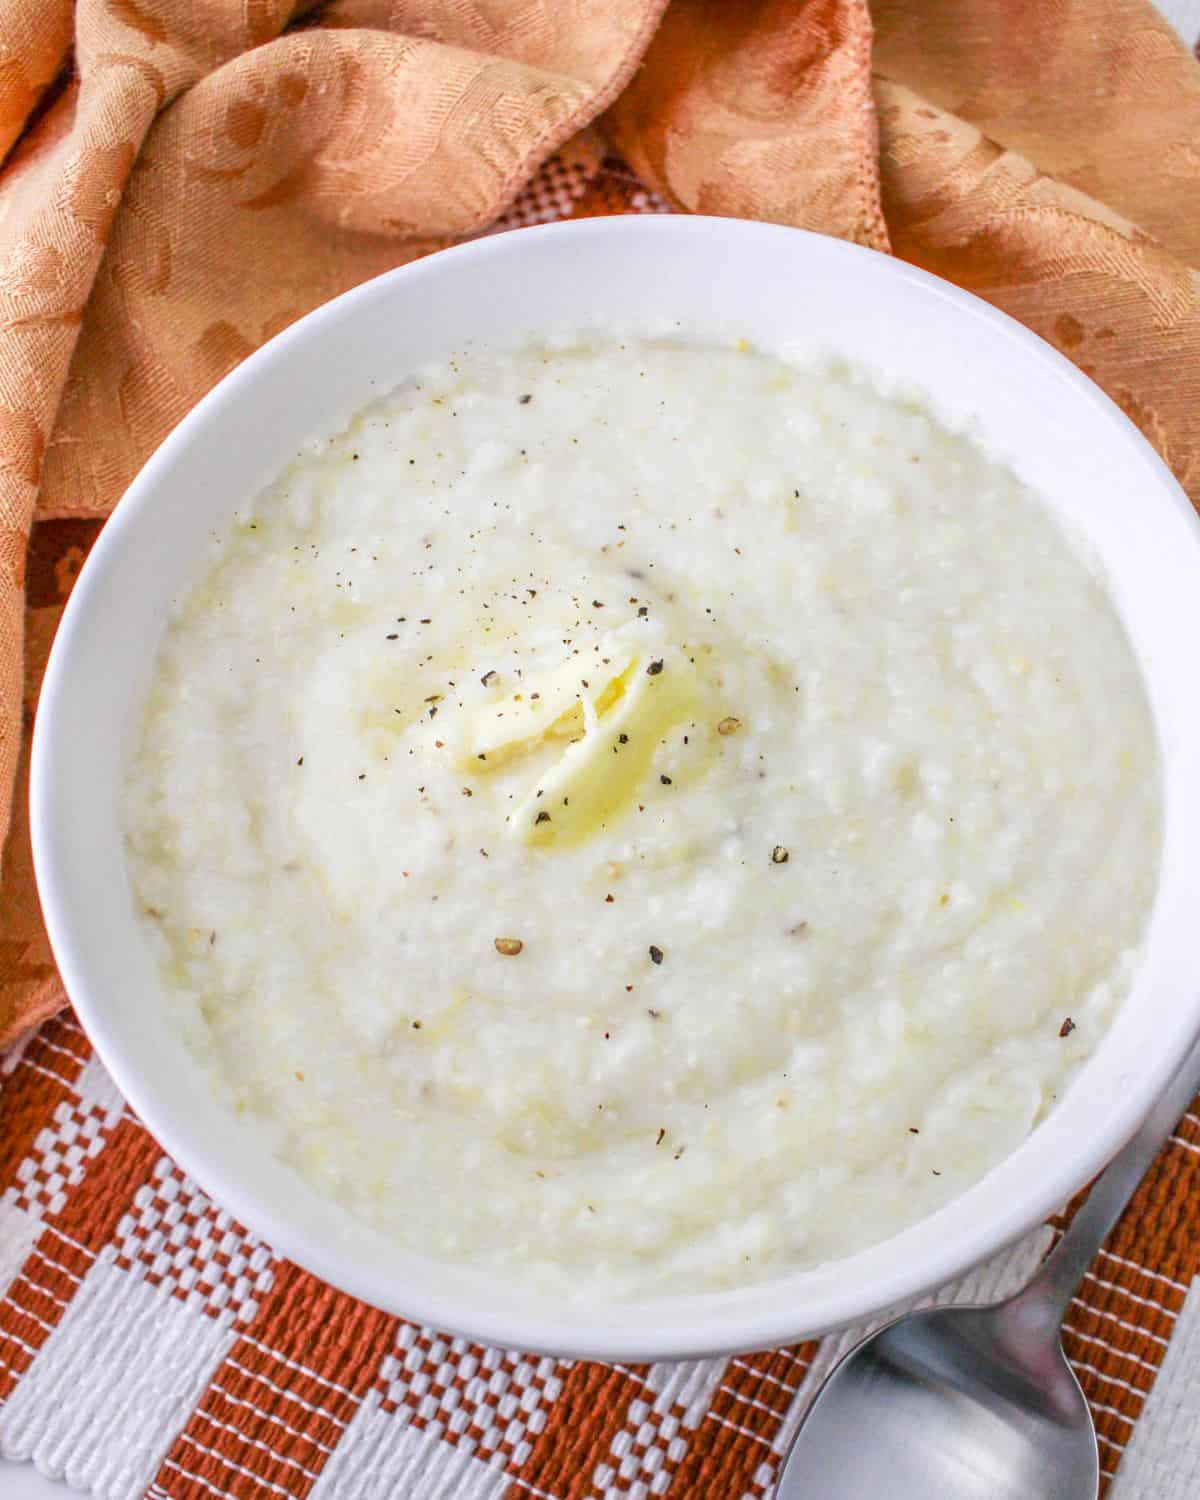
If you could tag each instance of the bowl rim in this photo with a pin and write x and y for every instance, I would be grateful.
(631, 1334)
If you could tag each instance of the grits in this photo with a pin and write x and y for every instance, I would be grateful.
(644, 817)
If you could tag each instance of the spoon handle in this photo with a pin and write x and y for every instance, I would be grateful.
(1057, 1281)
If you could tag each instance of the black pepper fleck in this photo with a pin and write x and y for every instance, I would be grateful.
(656, 954)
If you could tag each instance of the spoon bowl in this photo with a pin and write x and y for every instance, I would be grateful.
(969, 1402)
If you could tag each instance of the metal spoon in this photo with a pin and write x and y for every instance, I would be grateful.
(977, 1403)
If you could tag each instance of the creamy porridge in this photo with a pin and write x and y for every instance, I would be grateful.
(644, 817)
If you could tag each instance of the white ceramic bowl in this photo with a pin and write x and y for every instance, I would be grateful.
(772, 285)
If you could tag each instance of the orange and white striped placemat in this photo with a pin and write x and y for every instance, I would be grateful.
(150, 1346)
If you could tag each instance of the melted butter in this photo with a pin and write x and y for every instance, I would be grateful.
(596, 778)
(549, 705)
(613, 721)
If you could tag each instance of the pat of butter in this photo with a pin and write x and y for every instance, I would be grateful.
(550, 704)
(597, 776)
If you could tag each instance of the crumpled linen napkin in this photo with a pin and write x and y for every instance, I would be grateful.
(183, 178)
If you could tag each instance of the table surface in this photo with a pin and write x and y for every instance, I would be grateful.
(22, 1481)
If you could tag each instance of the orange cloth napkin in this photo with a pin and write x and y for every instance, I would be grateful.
(182, 180)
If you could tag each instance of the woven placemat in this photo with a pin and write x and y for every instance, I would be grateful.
(150, 1346)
